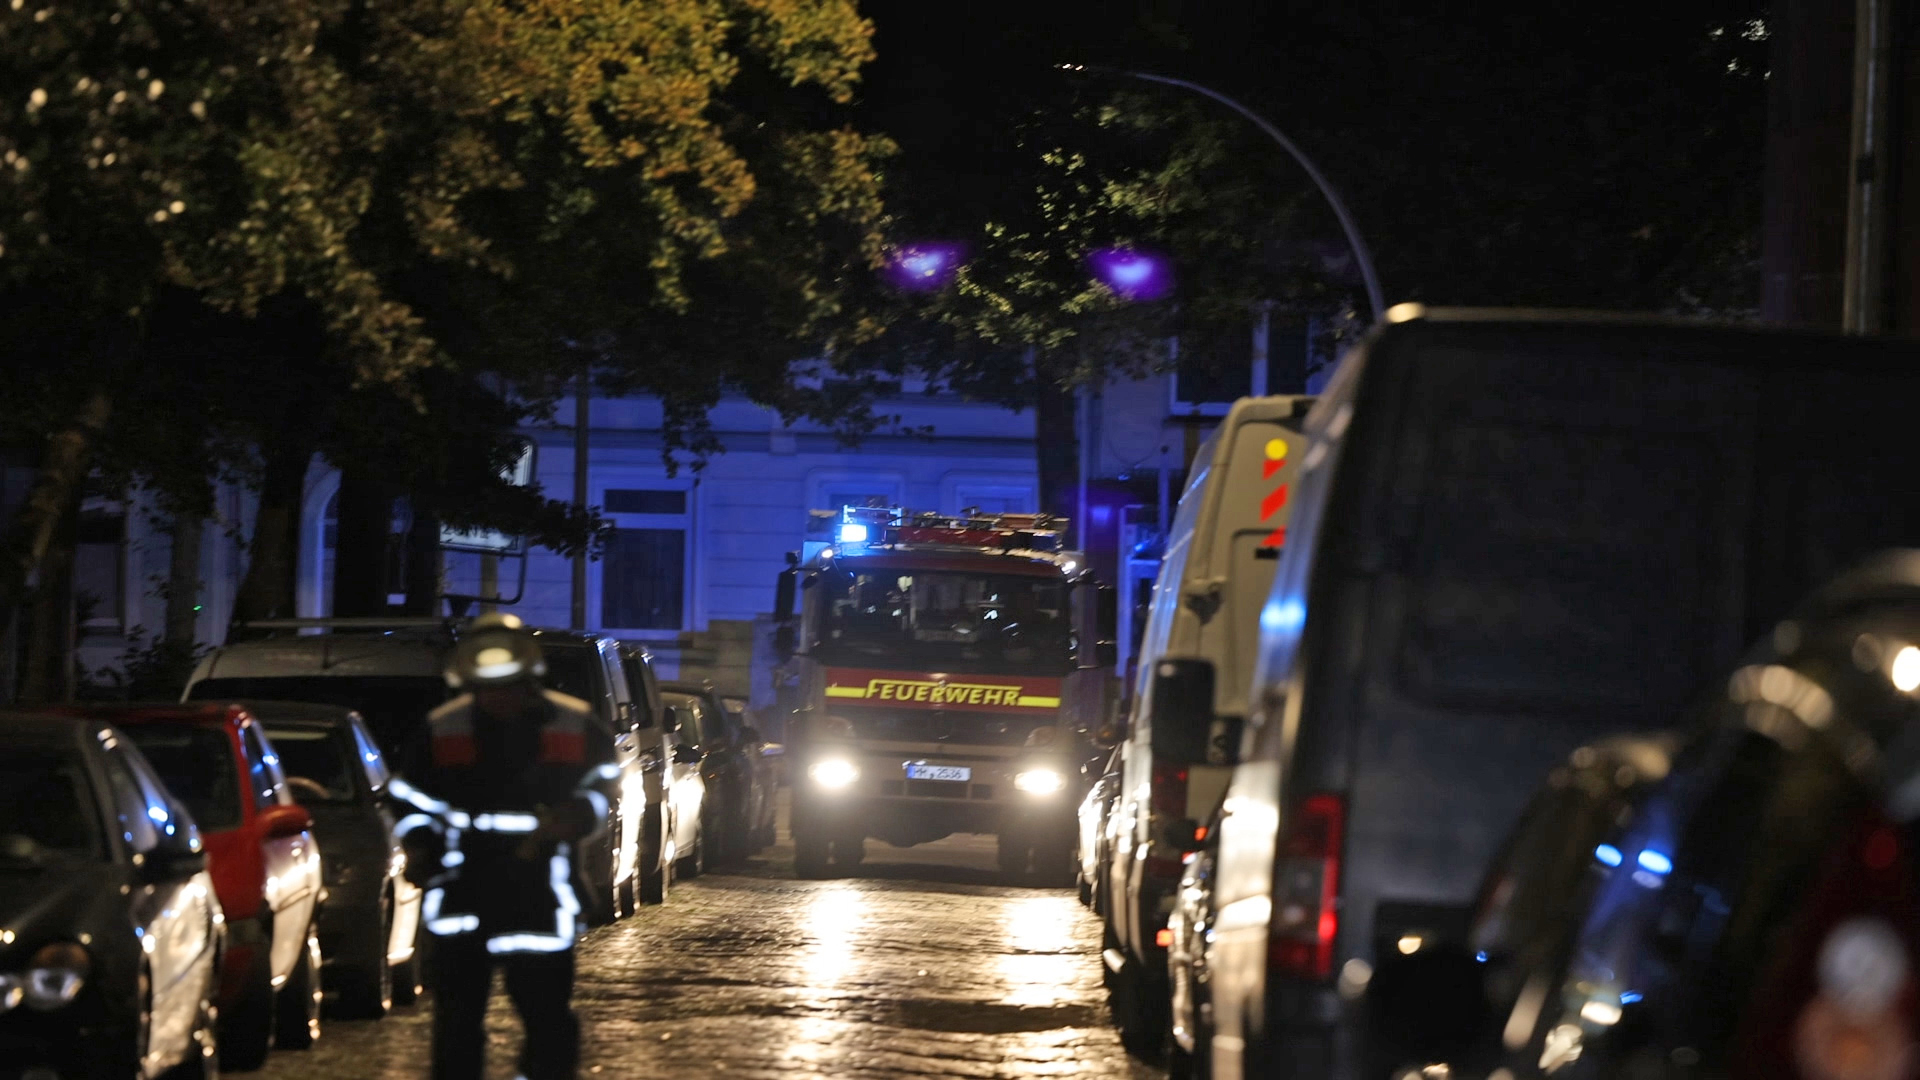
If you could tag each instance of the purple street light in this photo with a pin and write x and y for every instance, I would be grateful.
(924, 267)
(1131, 274)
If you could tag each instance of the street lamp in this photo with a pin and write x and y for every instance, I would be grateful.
(1375, 298)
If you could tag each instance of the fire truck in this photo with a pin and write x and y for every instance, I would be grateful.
(940, 675)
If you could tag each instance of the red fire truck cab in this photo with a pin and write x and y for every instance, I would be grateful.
(941, 675)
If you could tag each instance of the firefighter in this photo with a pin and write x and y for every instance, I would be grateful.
(508, 794)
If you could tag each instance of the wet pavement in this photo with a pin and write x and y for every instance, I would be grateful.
(921, 965)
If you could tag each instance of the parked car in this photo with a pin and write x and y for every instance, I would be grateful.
(686, 724)
(1513, 534)
(658, 826)
(370, 925)
(739, 801)
(217, 760)
(391, 672)
(1189, 926)
(109, 962)
(1221, 550)
(1754, 913)
(1096, 810)
(764, 759)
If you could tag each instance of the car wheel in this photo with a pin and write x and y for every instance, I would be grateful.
(246, 1026)
(408, 975)
(849, 851)
(296, 1020)
(656, 874)
(1139, 1004)
(366, 988)
(1054, 865)
(810, 855)
(695, 862)
(203, 1048)
(1012, 849)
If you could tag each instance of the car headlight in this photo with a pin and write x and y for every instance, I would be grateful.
(833, 772)
(1039, 781)
(56, 976)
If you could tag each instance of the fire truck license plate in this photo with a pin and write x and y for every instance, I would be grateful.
(918, 771)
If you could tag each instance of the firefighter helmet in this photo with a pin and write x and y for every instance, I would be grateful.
(496, 649)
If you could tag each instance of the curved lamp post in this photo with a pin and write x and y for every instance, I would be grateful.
(1360, 253)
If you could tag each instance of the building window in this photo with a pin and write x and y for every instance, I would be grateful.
(100, 572)
(645, 573)
(643, 579)
(637, 501)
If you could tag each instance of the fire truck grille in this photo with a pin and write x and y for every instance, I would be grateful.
(964, 729)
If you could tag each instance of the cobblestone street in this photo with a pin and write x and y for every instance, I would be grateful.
(920, 966)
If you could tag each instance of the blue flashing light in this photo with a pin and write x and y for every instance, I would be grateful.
(853, 533)
(1608, 855)
(1630, 997)
(1481, 956)
(1656, 863)
(1281, 616)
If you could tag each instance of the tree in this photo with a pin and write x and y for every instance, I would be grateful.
(335, 163)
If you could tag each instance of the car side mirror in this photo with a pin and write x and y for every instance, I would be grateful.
(1180, 710)
(280, 822)
(172, 863)
(686, 754)
(1428, 1005)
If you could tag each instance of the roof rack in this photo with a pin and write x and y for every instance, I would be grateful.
(881, 526)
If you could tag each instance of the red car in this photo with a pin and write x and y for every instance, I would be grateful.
(265, 865)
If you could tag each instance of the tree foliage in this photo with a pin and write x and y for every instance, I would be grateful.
(381, 232)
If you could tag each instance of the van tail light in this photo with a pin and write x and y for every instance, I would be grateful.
(1167, 798)
(1306, 889)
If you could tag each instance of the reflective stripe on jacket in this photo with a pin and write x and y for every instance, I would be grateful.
(485, 785)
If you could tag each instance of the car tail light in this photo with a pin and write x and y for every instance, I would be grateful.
(1168, 794)
(1167, 797)
(1306, 889)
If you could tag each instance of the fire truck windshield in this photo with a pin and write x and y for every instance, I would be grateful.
(948, 619)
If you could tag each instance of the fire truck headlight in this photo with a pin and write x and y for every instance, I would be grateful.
(833, 773)
(1039, 781)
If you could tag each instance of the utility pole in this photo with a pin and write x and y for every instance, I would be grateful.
(582, 406)
(1871, 156)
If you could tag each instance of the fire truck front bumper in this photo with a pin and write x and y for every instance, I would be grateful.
(909, 799)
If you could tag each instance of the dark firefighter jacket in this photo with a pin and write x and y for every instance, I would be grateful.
(484, 782)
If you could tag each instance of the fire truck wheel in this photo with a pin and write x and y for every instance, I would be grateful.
(810, 855)
(1014, 848)
(848, 851)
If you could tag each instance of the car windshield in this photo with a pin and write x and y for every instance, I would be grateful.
(316, 754)
(45, 807)
(393, 706)
(945, 618)
(573, 670)
(197, 765)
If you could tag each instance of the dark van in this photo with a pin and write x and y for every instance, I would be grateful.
(1516, 533)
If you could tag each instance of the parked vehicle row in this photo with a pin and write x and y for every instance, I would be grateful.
(252, 830)
(1512, 537)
